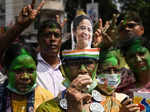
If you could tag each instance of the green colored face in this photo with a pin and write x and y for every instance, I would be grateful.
(138, 58)
(22, 74)
(110, 62)
(73, 68)
(108, 75)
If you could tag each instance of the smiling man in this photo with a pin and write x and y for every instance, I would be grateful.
(49, 75)
(20, 92)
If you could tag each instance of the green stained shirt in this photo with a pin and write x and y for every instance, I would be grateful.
(50, 106)
(122, 60)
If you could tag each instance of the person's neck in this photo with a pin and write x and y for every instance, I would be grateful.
(17, 96)
(53, 60)
(82, 47)
(143, 78)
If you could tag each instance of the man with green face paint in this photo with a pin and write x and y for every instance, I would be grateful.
(79, 68)
(138, 58)
(25, 17)
(109, 77)
(25, 66)
(140, 53)
(21, 93)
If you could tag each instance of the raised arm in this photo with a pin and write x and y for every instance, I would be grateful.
(25, 18)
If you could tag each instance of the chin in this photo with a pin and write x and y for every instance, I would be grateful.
(106, 92)
(23, 90)
(52, 53)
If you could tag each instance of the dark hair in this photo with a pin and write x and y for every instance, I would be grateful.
(11, 53)
(78, 19)
(48, 24)
(133, 16)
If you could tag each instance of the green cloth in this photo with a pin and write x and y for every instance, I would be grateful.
(122, 61)
(50, 106)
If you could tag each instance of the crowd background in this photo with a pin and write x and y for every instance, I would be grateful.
(110, 32)
(106, 10)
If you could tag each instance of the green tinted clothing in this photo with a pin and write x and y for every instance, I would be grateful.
(50, 106)
(123, 63)
(53, 105)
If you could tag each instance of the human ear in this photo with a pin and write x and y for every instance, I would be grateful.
(141, 32)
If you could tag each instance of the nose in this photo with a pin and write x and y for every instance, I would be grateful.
(139, 58)
(52, 37)
(25, 76)
(83, 69)
(86, 32)
(127, 28)
(112, 71)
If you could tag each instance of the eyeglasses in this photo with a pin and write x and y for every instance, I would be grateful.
(83, 27)
(49, 34)
(129, 25)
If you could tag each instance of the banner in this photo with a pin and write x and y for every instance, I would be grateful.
(92, 11)
(143, 100)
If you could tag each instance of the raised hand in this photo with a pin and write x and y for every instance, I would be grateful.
(75, 97)
(28, 13)
(113, 29)
(128, 106)
(100, 33)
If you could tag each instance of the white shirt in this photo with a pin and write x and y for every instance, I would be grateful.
(48, 77)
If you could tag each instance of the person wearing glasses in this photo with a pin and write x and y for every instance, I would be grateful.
(49, 75)
(131, 26)
(81, 33)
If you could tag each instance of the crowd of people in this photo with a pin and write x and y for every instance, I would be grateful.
(96, 70)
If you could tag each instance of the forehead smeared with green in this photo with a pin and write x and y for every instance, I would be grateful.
(23, 60)
(132, 16)
(136, 46)
(53, 27)
(125, 20)
(52, 24)
(108, 58)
